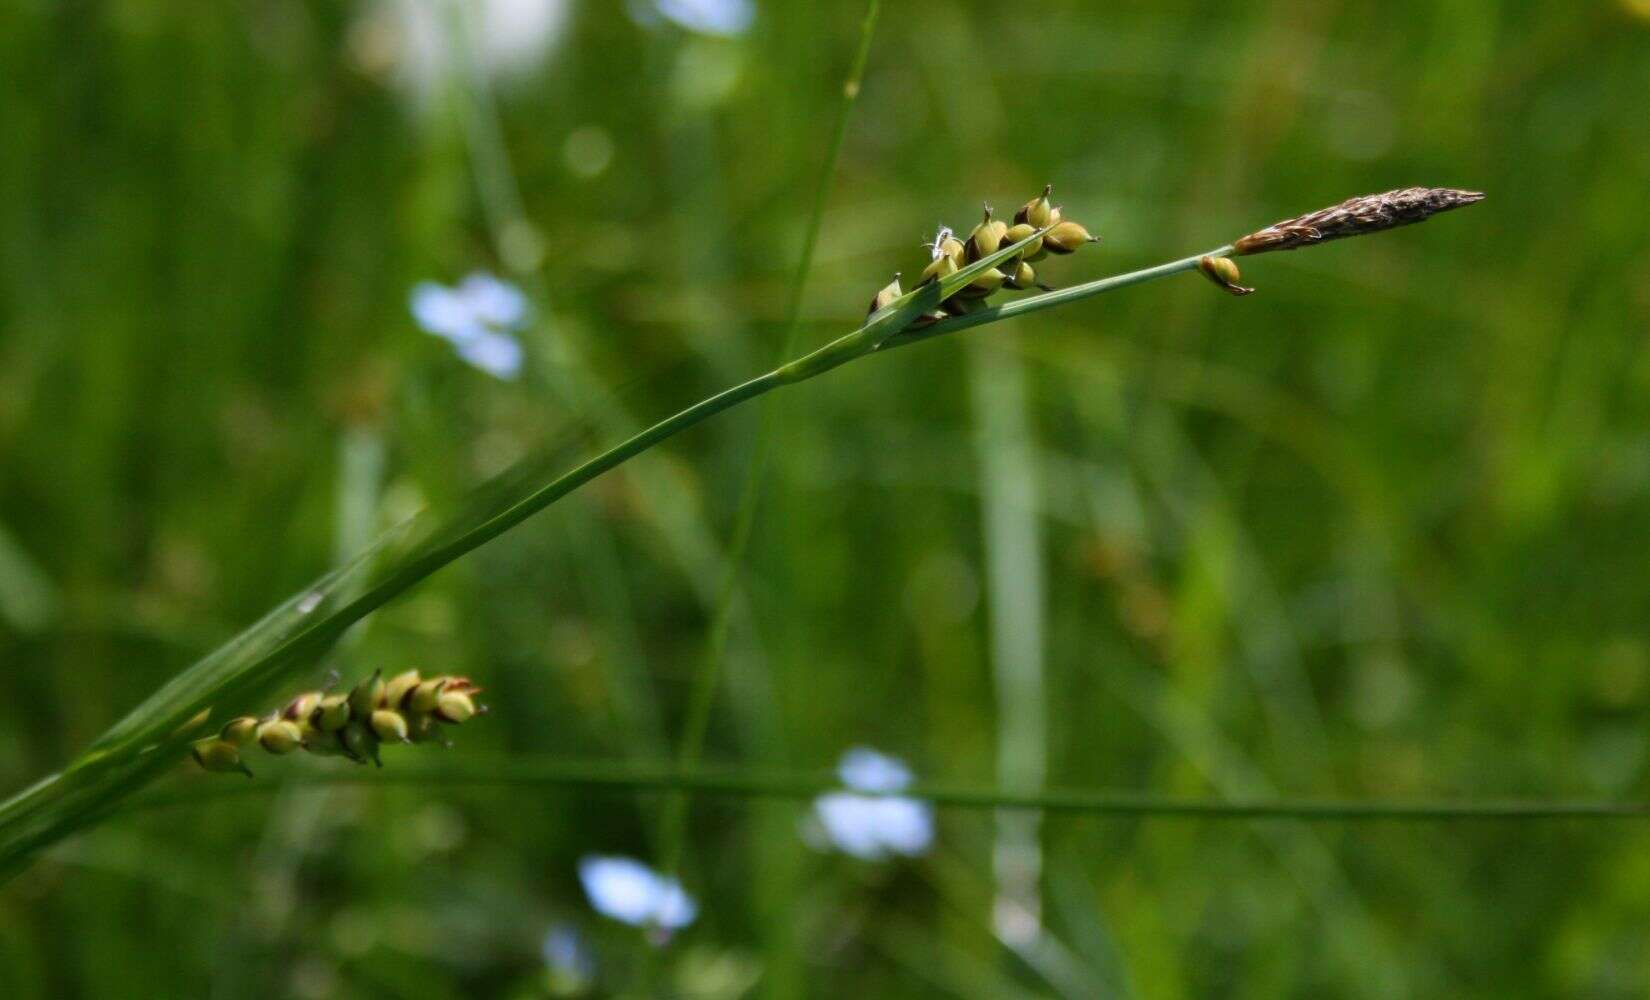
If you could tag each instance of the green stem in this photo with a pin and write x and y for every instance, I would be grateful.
(1048, 300)
(627, 777)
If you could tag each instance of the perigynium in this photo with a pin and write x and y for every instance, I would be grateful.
(172, 723)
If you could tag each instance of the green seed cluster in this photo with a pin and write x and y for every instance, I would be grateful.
(408, 708)
(949, 255)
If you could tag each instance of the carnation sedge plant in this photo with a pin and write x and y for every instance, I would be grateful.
(204, 712)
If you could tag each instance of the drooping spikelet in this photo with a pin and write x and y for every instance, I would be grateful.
(1356, 216)
(408, 708)
(1223, 273)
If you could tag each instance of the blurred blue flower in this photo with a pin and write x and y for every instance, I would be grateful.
(476, 317)
(867, 822)
(567, 960)
(707, 17)
(630, 892)
(865, 770)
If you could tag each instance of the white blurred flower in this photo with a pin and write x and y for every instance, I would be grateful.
(868, 822)
(418, 41)
(628, 891)
(726, 18)
(476, 317)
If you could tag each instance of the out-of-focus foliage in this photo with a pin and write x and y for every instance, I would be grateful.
(1375, 531)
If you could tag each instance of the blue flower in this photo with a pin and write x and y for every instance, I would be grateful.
(476, 317)
(567, 959)
(865, 770)
(630, 892)
(707, 17)
(868, 822)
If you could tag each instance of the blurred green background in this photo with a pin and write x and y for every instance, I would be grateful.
(1375, 532)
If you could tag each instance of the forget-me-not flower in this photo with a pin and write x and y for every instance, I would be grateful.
(630, 892)
(567, 959)
(726, 18)
(478, 317)
(866, 821)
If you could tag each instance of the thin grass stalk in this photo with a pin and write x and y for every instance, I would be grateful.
(702, 695)
(630, 778)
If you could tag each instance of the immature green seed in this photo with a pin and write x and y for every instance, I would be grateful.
(455, 707)
(280, 736)
(365, 695)
(987, 237)
(219, 756)
(423, 729)
(1037, 212)
(240, 731)
(301, 707)
(398, 687)
(986, 282)
(942, 266)
(1023, 230)
(424, 697)
(886, 296)
(389, 725)
(359, 743)
(1223, 272)
(1023, 276)
(1067, 237)
(952, 247)
(331, 713)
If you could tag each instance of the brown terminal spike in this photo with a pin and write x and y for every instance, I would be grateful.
(1370, 213)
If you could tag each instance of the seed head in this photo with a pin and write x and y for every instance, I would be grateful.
(1356, 216)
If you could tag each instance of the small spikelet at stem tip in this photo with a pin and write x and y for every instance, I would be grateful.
(1224, 273)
